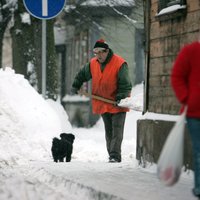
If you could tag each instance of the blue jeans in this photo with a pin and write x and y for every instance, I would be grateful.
(194, 130)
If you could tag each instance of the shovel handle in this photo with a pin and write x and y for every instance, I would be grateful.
(82, 92)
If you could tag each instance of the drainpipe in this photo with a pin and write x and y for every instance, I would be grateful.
(147, 44)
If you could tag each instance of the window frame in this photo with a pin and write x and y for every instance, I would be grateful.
(167, 3)
(169, 9)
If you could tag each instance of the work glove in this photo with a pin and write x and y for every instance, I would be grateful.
(74, 91)
(117, 102)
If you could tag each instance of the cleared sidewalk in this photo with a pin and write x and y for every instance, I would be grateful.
(117, 181)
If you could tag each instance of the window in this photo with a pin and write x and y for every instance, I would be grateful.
(169, 9)
(167, 3)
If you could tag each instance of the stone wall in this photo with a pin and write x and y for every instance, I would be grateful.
(151, 136)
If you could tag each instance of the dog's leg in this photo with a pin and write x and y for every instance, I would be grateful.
(55, 159)
(68, 158)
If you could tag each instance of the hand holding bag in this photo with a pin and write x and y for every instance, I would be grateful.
(170, 162)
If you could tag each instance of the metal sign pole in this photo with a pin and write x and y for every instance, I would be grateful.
(44, 8)
(44, 57)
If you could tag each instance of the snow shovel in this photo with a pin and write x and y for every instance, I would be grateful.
(125, 103)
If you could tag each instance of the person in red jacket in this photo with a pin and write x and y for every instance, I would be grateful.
(110, 79)
(185, 80)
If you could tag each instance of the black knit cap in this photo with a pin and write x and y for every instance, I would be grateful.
(101, 44)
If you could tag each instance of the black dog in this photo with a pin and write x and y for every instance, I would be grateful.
(62, 148)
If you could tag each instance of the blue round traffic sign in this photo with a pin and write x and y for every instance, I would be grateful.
(44, 9)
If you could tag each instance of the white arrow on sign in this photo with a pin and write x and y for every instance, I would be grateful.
(44, 7)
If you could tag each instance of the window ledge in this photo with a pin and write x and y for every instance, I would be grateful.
(171, 12)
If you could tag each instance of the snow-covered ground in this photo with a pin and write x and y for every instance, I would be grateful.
(27, 125)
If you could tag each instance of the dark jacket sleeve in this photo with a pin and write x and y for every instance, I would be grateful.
(82, 76)
(124, 83)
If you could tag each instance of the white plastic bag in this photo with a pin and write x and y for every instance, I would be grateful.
(171, 158)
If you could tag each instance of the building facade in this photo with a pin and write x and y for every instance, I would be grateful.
(169, 25)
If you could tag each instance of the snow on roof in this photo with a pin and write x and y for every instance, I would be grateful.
(108, 2)
(75, 98)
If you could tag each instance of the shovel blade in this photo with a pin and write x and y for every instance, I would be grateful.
(129, 103)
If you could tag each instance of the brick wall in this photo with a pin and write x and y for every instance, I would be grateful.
(167, 36)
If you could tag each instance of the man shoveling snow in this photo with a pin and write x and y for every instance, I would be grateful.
(110, 80)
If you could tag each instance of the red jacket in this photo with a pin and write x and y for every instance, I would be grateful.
(185, 78)
(104, 84)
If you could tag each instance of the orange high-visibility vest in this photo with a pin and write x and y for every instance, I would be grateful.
(104, 84)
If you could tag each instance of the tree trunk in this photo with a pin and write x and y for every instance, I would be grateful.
(5, 18)
(51, 65)
(22, 42)
(37, 27)
(52, 68)
(2, 31)
(27, 52)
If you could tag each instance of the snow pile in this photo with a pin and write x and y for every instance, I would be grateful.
(27, 171)
(28, 122)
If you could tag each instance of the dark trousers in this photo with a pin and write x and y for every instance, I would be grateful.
(194, 130)
(114, 129)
